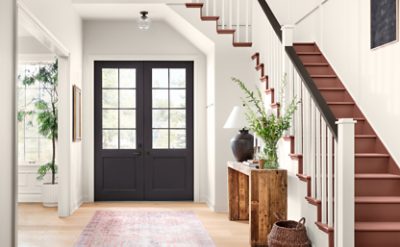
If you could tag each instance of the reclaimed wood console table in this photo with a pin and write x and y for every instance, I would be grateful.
(256, 195)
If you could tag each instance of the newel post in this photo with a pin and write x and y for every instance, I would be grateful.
(344, 183)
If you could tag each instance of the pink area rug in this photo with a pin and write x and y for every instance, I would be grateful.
(141, 228)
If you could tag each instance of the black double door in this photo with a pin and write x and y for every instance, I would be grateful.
(143, 130)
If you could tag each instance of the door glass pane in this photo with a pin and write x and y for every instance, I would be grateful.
(160, 78)
(160, 118)
(160, 139)
(127, 139)
(128, 98)
(110, 139)
(177, 139)
(177, 98)
(110, 98)
(127, 78)
(110, 119)
(177, 119)
(160, 98)
(128, 119)
(177, 78)
(110, 78)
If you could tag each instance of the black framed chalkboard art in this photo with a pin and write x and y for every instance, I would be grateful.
(384, 22)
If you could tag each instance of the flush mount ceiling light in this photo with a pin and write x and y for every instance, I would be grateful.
(144, 21)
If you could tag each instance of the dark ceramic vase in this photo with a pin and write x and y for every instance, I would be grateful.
(243, 146)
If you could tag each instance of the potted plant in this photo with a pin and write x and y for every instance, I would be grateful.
(267, 126)
(47, 120)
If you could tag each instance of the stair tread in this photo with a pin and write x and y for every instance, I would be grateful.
(323, 76)
(365, 136)
(332, 89)
(377, 175)
(304, 43)
(340, 103)
(242, 44)
(309, 53)
(377, 226)
(316, 64)
(366, 155)
(377, 199)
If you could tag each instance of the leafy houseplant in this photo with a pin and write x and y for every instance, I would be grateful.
(269, 127)
(47, 112)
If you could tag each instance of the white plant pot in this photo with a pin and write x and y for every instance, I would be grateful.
(50, 195)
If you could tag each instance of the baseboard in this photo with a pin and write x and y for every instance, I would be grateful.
(76, 205)
(29, 198)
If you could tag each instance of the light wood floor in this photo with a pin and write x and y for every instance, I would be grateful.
(40, 227)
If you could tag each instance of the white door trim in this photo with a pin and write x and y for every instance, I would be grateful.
(88, 115)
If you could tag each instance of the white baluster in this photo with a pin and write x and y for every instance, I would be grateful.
(206, 3)
(223, 14)
(330, 179)
(230, 2)
(215, 7)
(318, 153)
(323, 170)
(312, 151)
(247, 20)
(238, 21)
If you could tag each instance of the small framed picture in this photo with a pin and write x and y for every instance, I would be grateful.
(77, 114)
(384, 22)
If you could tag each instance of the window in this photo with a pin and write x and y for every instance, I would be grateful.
(33, 148)
(169, 108)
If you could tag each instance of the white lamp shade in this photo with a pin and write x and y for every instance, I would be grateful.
(237, 119)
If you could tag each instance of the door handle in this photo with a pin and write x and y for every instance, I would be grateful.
(137, 153)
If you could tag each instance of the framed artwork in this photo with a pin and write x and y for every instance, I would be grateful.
(384, 22)
(77, 114)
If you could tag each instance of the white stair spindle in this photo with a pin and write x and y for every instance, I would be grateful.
(330, 179)
(206, 3)
(323, 171)
(318, 153)
(312, 151)
(237, 20)
(223, 14)
(247, 20)
(214, 7)
(230, 2)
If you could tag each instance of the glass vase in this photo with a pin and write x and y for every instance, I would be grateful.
(271, 157)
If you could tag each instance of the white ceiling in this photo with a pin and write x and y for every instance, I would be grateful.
(93, 11)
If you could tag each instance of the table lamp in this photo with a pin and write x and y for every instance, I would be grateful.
(242, 143)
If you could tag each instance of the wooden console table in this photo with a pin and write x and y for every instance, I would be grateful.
(256, 195)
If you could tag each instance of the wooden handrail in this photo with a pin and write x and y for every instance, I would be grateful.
(320, 102)
(271, 17)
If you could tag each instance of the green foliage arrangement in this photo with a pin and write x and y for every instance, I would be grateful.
(47, 112)
(269, 127)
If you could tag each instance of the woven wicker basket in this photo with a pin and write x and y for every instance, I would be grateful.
(289, 234)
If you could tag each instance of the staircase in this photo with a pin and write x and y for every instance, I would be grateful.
(314, 139)
(377, 178)
(224, 23)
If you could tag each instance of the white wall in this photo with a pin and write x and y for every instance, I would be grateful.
(371, 76)
(122, 40)
(7, 130)
(61, 20)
